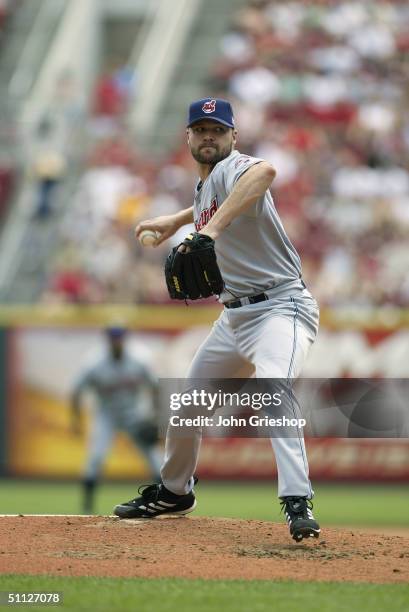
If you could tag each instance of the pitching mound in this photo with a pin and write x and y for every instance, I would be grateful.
(195, 548)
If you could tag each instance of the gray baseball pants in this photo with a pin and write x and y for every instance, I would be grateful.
(272, 339)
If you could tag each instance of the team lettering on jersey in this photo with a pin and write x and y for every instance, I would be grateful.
(206, 215)
(243, 159)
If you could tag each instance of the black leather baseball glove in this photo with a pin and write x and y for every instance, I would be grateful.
(193, 274)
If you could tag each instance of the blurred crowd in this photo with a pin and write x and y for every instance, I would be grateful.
(320, 89)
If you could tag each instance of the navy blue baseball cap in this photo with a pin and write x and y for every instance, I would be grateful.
(215, 109)
(116, 331)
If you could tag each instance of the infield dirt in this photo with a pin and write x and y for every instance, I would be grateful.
(196, 547)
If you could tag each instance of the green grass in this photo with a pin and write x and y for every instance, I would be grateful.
(333, 505)
(168, 595)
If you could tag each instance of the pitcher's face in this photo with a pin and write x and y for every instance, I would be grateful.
(210, 141)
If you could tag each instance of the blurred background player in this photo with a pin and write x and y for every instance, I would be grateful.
(117, 380)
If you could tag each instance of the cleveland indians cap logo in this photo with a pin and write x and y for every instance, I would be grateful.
(209, 107)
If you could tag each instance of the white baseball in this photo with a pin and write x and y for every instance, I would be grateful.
(148, 237)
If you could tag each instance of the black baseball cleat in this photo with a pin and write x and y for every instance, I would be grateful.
(156, 500)
(298, 512)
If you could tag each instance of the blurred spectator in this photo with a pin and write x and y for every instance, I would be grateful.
(256, 85)
(48, 167)
(7, 177)
(67, 111)
(109, 97)
(5, 9)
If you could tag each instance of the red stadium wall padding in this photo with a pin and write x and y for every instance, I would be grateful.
(334, 459)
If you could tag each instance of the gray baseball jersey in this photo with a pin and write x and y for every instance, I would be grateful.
(116, 385)
(254, 252)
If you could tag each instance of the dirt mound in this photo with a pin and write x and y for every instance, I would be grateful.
(195, 548)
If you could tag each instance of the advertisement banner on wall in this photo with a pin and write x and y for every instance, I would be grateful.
(44, 363)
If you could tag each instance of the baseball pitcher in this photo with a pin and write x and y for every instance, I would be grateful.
(240, 252)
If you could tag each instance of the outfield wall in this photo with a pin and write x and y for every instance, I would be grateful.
(44, 349)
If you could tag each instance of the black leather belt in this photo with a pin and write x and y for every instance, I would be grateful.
(252, 299)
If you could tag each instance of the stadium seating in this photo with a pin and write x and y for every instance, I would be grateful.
(319, 89)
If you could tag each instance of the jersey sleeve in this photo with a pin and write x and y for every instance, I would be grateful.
(236, 167)
(148, 377)
(83, 381)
